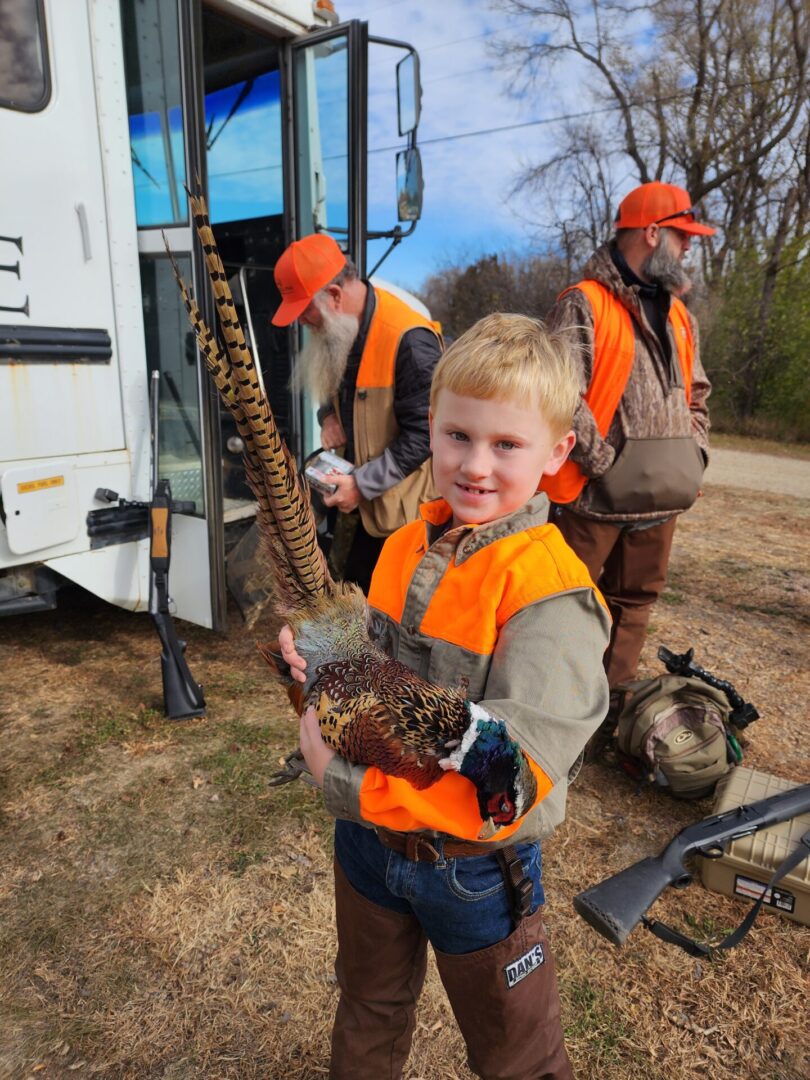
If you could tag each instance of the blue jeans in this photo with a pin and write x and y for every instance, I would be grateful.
(461, 903)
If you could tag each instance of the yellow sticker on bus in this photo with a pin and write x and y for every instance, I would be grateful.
(40, 485)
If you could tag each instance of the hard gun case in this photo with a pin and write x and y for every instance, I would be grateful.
(748, 863)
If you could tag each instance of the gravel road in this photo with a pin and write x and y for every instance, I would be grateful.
(759, 472)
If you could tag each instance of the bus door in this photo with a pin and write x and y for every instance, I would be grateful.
(161, 89)
(327, 87)
(328, 78)
(206, 96)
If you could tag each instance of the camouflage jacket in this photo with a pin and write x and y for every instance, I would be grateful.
(654, 404)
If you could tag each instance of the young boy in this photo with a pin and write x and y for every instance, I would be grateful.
(481, 593)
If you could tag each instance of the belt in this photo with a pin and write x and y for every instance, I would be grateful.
(418, 848)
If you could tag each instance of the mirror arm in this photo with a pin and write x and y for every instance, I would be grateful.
(397, 234)
(404, 45)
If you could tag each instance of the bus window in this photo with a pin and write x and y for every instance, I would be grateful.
(322, 136)
(245, 168)
(171, 350)
(154, 103)
(24, 76)
(243, 140)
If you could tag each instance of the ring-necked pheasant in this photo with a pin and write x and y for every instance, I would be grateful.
(371, 709)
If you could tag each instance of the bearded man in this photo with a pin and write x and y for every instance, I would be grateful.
(368, 362)
(642, 424)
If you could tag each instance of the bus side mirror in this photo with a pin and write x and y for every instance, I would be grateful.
(409, 185)
(409, 94)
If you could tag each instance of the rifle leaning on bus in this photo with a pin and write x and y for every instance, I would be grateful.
(130, 519)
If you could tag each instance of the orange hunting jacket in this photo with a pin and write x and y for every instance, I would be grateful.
(614, 349)
(507, 611)
(375, 425)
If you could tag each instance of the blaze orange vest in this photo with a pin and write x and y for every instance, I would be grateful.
(375, 426)
(614, 348)
(391, 319)
(470, 604)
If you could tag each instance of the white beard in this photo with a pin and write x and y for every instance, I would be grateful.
(664, 268)
(321, 364)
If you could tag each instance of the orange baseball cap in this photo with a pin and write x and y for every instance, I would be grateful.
(660, 204)
(304, 268)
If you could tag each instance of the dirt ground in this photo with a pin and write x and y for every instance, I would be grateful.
(163, 914)
(731, 467)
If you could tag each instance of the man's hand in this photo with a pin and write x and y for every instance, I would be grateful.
(316, 753)
(297, 663)
(347, 496)
(333, 437)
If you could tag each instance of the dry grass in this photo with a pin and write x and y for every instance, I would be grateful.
(164, 915)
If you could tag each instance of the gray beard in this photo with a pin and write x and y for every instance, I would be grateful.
(664, 268)
(321, 364)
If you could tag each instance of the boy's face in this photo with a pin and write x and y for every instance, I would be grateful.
(488, 456)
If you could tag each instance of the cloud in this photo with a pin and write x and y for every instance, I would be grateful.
(467, 180)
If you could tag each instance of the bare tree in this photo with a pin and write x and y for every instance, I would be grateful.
(713, 95)
(459, 296)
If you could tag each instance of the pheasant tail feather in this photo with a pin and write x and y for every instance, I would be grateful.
(284, 512)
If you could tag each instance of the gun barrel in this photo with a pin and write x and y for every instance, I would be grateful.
(154, 407)
(720, 829)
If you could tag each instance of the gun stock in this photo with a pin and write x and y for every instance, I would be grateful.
(618, 904)
(182, 696)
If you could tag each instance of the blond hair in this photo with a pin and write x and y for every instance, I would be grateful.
(512, 358)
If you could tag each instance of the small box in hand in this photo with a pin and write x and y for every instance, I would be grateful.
(317, 472)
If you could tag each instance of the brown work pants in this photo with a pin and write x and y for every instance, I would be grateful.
(630, 568)
(511, 1033)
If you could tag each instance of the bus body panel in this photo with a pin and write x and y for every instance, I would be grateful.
(52, 196)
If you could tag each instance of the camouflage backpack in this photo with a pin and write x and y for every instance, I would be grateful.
(676, 729)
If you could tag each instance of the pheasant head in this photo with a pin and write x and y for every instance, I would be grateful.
(487, 756)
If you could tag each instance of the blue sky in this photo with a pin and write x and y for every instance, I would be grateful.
(467, 209)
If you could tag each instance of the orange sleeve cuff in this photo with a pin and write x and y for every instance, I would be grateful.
(448, 806)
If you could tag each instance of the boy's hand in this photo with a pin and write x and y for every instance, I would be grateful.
(316, 753)
(298, 664)
(347, 496)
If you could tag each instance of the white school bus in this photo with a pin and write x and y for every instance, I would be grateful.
(108, 109)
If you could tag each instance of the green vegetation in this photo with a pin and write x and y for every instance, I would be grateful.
(759, 358)
(605, 1028)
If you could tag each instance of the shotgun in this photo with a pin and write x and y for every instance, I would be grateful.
(182, 695)
(619, 903)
